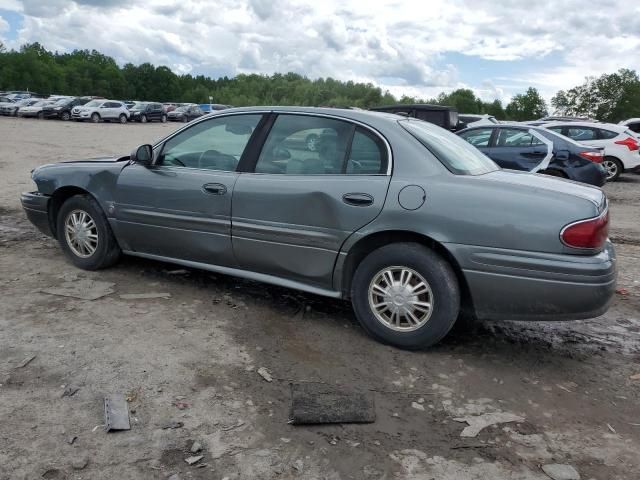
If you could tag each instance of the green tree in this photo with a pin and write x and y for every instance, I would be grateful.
(463, 99)
(526, 106)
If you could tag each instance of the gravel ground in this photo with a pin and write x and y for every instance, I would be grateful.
(191, 361)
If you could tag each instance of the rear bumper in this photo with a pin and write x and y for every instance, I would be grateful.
(516, 285)
(36, 206)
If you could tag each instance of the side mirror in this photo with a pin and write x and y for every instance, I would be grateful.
(143, 155)
(562, 155)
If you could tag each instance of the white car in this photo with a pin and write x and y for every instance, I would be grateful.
(621, 149)
(466, 120)
(34, 110)
(97, 110)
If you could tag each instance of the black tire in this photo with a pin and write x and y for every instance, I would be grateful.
(122, 118)
(40, 116)
(614, 168)
(311, 142)
(143, 119)
(163, 119)
(185, 119)
(107, 252)
(95, 117)
(66, 116)
(440, 277)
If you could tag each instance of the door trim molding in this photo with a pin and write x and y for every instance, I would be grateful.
(235, 272)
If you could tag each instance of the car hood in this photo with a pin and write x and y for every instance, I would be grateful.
(540, 183)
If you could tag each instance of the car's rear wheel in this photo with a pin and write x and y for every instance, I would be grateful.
(95, 117)
(40, 115)
(163, 119)
(122, 118)
(405, 295)
(614, 168)
(84, 234)
(65, 116)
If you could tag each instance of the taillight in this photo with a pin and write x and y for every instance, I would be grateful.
(591, 233)
(595, 157)
(630, 143)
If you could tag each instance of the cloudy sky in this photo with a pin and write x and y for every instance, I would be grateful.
(497, 48)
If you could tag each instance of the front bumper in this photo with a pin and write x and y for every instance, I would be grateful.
(36, 206)
(517, 285)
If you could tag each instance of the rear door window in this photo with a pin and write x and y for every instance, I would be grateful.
(513, 137)
(479, 137)
(582, 134)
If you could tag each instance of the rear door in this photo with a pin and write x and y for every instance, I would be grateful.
(294, 208)
(180, 207)
(517, 149)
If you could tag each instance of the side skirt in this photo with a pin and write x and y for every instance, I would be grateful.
(258, 277)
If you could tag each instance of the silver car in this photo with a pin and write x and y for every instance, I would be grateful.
(101, 110)
(407, 221)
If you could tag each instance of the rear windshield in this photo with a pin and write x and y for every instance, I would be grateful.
(456, 154)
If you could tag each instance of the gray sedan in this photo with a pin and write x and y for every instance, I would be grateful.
(407, 221)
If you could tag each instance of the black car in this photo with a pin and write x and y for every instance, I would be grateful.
(534, 149)
(443, 116)
(185, 113)
(62, 108)
(147, 112)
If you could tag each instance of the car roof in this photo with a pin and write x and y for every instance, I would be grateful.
(605, 126)
(415, 106)
(364, 116)
(629, 120)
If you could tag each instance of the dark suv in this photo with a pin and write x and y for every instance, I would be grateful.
(445, 117)
(62, 108)
(147, 112)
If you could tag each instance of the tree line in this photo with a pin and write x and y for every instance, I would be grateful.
(89, 72)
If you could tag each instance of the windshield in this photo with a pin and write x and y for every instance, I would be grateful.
(182, 109)
(139, 106)
(456, 154)
(62, 101)
(93, 103)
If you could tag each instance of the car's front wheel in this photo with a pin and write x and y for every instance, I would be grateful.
(95, 117)
(123, 118)
(406, 295)
(163, 119)
(614, 168)
(85, 235)
(66, 116)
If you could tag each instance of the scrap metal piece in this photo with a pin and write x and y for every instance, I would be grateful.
(313, 403)
(116, 413)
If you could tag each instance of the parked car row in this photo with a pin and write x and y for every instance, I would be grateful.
(96, 109)
(576, 148)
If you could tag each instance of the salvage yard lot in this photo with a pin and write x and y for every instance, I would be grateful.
(191, 360)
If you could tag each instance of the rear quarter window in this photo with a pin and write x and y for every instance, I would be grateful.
(606, 134)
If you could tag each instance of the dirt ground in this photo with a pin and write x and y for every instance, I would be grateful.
(192, 359)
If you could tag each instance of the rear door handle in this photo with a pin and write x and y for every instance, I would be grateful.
(358, 199)
(214, 188)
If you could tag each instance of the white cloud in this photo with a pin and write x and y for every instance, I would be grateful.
(4, 25)
(400, 45)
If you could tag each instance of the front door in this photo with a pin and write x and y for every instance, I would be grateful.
(180, 207)
(294, 210)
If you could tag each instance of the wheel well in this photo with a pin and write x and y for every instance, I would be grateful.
(57, 199)
(554, 172)
(365, 246)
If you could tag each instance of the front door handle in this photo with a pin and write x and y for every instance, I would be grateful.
(214, 188)
(358, 199)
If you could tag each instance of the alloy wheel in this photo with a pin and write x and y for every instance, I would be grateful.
(81, 233)
(611, 167)
(400, 298)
